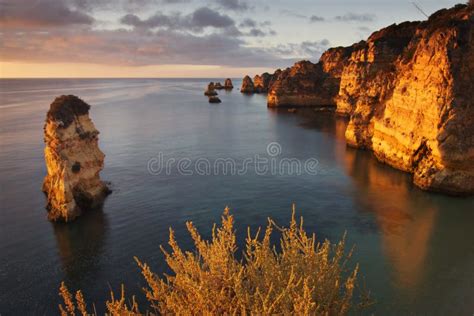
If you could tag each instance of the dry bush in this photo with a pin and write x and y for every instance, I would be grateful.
(303, 278)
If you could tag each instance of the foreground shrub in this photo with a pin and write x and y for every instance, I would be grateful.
(304, 277)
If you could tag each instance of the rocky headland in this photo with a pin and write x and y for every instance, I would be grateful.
(73, 160)
(260, 83)
(408, 92)
(306, 84)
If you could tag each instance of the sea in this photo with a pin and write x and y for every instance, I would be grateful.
(172, 157)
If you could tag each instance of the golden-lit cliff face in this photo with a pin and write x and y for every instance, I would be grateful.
(73, 160)
(310, 85)
(262, 82)
(408, 91)
(368, 75)
(418, 114)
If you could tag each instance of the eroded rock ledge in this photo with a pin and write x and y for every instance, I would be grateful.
(73, 160)
(408, 91)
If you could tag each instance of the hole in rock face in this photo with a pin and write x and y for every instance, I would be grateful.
(76, 167)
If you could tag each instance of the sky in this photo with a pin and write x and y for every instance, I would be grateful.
(184, 38)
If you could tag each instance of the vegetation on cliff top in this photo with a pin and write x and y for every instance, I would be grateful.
(65, 108)
(304, 277)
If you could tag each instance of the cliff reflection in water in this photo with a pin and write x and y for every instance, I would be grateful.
(405, 228)
(405, 217)
(81, 244)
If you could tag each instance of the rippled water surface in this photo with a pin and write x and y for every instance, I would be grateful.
(415, 249)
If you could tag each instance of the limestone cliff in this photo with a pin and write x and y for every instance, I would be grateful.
(310, 85)
(73, 160)
(408, 91)
(415, 109)
(368, 76)
(262, 82)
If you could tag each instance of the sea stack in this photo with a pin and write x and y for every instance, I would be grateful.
(214, 99)
(210, 90)
(228, 84)
(73, 160)
(247, 85)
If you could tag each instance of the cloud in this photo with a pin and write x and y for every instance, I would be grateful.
(248, 23)
(306, 49)
(256, 33)
(356, 17)
(53, 31)
(364, 29)
(136, 48)
(196, 21)
(236, 5)
(316, 18)
(175, 1)
(206, 17)
(125, 5)
(45, 13)
(294, 14)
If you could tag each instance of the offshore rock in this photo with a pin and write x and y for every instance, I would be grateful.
(73, 160)
(210, 90)
(247, 85)
(218, 86)
(214, 99)
(228, 84)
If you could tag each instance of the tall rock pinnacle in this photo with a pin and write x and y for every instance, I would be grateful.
(73, 160)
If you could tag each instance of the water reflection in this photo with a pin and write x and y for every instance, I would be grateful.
(81, 244)
(404, 216)
(405, 228)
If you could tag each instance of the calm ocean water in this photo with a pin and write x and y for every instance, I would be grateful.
(415, 249)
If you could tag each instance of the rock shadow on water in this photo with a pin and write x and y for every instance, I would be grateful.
(81, 245)
(324, 121)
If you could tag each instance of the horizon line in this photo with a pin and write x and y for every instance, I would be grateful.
(19, 78)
